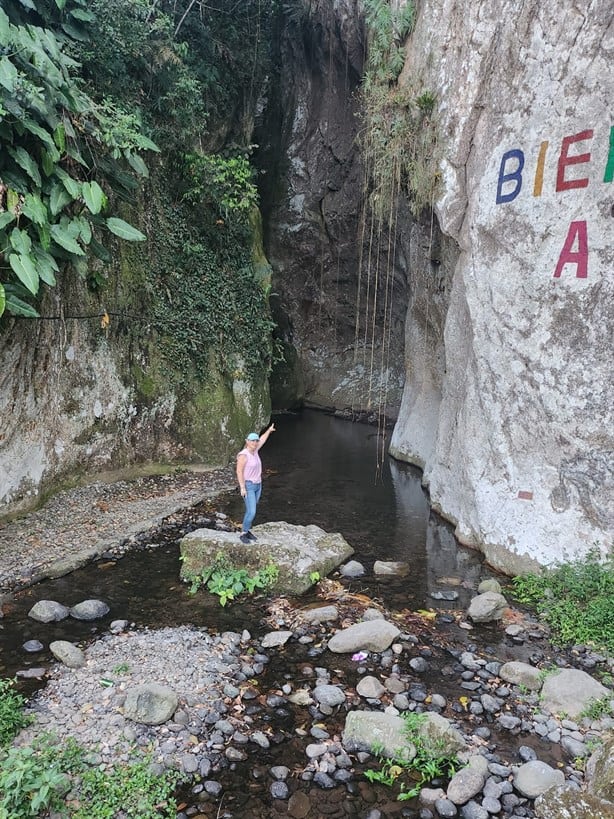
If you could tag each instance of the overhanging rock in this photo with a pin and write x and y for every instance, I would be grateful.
(298, 552)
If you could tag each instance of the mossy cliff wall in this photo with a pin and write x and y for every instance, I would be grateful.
(160, 381)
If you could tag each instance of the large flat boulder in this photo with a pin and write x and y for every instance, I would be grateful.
(298, 552)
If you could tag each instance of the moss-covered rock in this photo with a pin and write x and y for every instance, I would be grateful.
(301, 553)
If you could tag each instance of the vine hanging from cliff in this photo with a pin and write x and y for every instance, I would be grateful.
(399, 145)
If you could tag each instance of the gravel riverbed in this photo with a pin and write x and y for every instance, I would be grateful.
(259, 721)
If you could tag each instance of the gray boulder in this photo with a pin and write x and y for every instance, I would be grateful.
(469, 781)
(89, 610)
(367, 730)
(535, 777)
(487, 607)
(600, 770)
(300, 553)
(523, 674)
(274, 639)
(565, 802)
(352, 569)
(330, 695)
(570, 691)
(321, 614)
(369, 635)
(390, 568)
(48, 611)
(67, 653)
(150, 704)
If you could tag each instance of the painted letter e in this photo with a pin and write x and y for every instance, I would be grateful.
(514, 176)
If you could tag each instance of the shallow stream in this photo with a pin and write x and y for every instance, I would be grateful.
(320, 470)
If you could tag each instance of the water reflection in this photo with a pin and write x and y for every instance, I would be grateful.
(324, 470)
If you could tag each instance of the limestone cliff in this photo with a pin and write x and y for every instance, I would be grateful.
(516, 433)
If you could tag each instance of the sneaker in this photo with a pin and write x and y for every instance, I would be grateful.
(244, 538)
(251, 536)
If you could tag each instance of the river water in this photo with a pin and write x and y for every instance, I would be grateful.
(318, 469)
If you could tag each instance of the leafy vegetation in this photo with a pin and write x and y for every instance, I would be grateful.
(51, 204)
(431, 761)
(228, 582)
(575, 598)
(86, 89)
(37, 779)
(12, 718)
(598, 708)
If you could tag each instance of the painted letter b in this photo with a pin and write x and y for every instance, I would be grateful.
(506, 177)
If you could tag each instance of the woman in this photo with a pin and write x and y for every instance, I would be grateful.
(249, 475)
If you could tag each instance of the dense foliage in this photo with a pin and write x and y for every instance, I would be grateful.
(576, 599)
(96, 99)
(51, 205)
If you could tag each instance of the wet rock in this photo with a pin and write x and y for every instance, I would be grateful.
(469, 781)
(365, 730)
(439, 732)
(33, 646)
(372, 635)
(519, 673)
(445, 808)
(570, 691)
(574, 748)
(321, 614)
(117, 626)
(48, 611)
(89, 610)
(370, 688)
(31, 673)
(390, 568)
(330, 695)
(535, 777)
(487, 607)
(151, 704)
(279, 790)
(444, 595)
(352, 569)
(275, 638)
(472, 810)
(67, 653)
(299, 805)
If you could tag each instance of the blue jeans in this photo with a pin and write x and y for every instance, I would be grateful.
(252, 496)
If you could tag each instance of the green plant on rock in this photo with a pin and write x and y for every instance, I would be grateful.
(229, 582)
(598, 708)
(399, 135)
(575, 599)
(225, 185)
(432, 760)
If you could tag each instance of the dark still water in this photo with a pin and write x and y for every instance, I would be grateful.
(331, 472)
(318, 470)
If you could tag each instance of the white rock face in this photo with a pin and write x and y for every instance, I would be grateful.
(518, 449)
